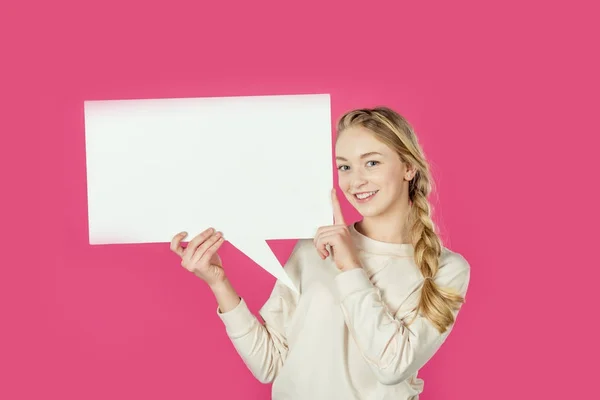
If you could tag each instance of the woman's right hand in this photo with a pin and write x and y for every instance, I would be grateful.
(200, 256)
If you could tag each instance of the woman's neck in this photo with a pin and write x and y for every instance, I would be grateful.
(386, 228)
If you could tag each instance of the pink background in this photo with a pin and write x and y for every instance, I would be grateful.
(504, 98)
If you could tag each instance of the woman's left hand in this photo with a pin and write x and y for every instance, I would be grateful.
(338, 237)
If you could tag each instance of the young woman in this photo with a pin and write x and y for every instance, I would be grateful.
(377, 298)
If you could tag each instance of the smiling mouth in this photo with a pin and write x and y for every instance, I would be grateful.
(365, 196)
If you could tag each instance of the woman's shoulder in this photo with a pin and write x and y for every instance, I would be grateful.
(453, 260)
(454, 270)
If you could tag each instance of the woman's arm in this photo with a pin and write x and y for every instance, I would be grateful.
(262, 346)
(226, 296)
(395, 350)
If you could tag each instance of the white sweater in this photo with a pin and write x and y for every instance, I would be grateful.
(344, 336)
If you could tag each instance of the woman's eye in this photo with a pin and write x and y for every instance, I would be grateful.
(341, 167)
(374, 162)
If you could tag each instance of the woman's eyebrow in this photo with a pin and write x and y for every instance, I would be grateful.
(371, 153)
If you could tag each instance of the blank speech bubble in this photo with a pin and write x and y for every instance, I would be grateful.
(255, 167)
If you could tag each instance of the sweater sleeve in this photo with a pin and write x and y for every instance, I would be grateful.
(394, 350)
(263, 345)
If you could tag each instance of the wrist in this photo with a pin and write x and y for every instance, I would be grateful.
(226, 296)
(220, 286)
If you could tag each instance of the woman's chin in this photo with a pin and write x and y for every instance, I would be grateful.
(368, 210)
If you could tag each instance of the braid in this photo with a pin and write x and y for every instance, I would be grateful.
(436, 304)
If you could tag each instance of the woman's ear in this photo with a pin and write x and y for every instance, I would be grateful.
(410, 172)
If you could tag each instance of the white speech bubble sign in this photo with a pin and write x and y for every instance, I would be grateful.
(255, 167)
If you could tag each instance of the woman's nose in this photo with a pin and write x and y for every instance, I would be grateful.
(358, 179)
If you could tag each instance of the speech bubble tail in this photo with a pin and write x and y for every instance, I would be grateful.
(260, 252)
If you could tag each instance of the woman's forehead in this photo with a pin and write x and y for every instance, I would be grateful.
(357, 141)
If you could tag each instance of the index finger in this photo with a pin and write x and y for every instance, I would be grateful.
(338, 217)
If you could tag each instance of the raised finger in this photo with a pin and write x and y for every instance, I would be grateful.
(338, 217)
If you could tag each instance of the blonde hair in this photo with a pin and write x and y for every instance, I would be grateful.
(436, 304)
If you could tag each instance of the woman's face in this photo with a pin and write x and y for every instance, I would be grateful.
(370, 174)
